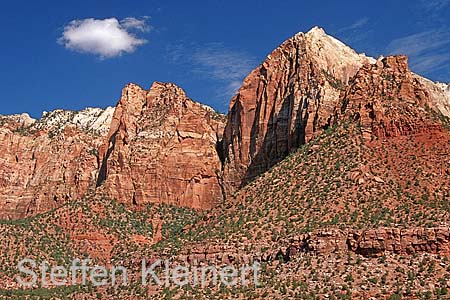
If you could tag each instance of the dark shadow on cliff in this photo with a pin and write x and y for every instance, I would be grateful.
(279, 142)
(103, 172)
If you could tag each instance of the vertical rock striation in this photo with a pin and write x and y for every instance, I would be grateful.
(47, 162)
(284, 102)
(161, 148)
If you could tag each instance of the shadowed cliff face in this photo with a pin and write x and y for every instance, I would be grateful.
(161, 148)
(285, 102)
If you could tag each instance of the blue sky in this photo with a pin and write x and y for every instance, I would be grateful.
(53, 54)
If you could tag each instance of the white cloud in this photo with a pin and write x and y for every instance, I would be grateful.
(106, 38)
(429, 51)
(138, 24)
(358, 24)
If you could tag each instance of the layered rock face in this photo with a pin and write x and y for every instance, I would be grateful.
(47, 162)
(285, 102)
(369, 243)
(388, 100)
(156, 146)
(308, 84)
(161, 148)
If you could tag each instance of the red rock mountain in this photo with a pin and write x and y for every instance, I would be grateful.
(155, 146)
(295, 93)
(159, 146)
(285, 102)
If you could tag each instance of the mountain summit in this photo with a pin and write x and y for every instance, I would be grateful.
(293, 96)
(158, 146)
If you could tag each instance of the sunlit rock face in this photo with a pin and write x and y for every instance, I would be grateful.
(46, 162)
(161, 148)
(285, 102)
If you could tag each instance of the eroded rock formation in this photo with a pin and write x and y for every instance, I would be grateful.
(388, 100)
(161, 148)
(47, 162)
(156, 146)
(284, 102)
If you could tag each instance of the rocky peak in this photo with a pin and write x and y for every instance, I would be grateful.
(332, 55)
(161, 148)
(165, 94)
(387, 99)
(293, 95)
(285, 102)
(172, 99)
(155, 146)
(127, 111)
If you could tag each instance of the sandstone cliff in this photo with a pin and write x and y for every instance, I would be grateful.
(47, 162)
(300, 88)
(285, 102)
(161, 148)
(388, 100)
(155, 146)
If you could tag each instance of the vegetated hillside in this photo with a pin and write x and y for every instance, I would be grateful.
(384, 162)
(372, 188)
(96, 228)
(339, 179)
(358, 212)
(297, 220)
(341, 216)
